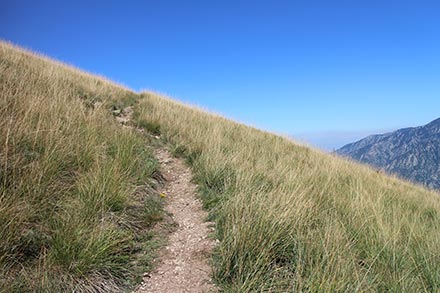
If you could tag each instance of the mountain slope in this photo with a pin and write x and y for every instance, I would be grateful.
(412, 153)
(288, 218)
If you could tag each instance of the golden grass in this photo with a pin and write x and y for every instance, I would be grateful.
(68, 174)
(293, 218)
(288, 217)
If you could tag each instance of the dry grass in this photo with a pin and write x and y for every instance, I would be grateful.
(288, 217)
(68, 175)
(293, 218)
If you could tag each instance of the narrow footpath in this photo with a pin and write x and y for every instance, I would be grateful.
(183, 264)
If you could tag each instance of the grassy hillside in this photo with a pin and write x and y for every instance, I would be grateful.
(288, 217)
(292, 218)
(71, 218)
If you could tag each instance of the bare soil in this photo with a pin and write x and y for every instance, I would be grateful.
(184, 264)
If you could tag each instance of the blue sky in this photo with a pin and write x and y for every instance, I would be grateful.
(328, 72)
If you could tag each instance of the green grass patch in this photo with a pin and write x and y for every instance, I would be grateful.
(76, 197)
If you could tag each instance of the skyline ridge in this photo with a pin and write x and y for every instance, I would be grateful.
(291, 68)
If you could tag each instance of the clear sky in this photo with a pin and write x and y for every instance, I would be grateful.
(328, 72)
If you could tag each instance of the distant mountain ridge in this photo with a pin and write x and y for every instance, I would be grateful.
(412, 153)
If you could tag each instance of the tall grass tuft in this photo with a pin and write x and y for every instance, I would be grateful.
(68, 180)
(291, 218)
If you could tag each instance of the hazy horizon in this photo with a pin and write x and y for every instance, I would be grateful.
(332, 140)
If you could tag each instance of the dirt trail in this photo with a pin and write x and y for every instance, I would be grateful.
(184, 264)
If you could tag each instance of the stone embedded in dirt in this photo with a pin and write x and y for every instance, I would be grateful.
(117, 112)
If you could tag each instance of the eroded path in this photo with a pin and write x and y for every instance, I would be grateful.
(184, 264)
